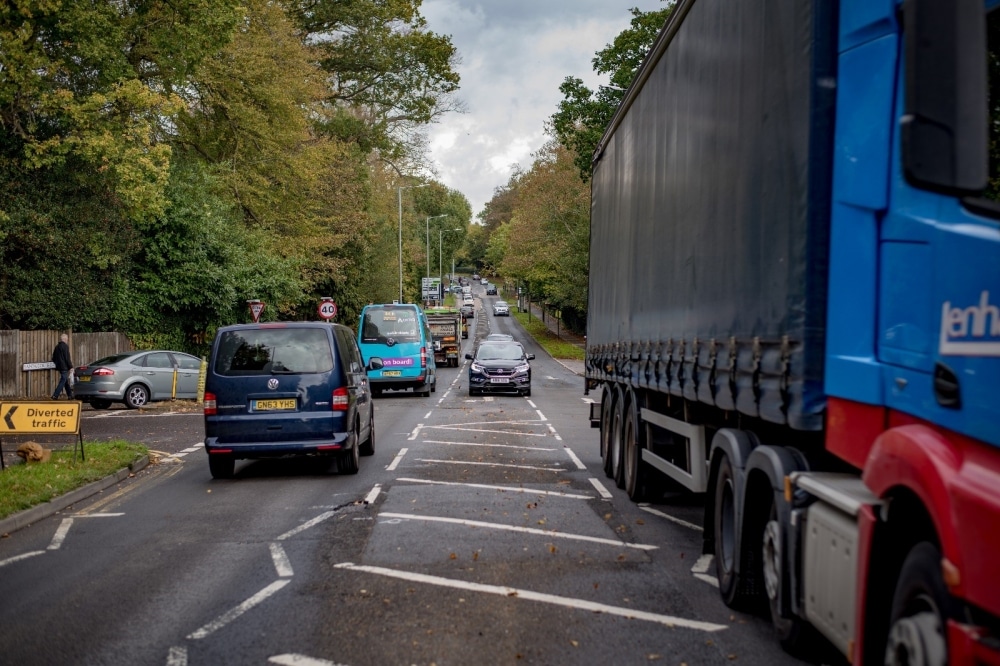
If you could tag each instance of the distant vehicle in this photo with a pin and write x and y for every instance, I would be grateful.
(446, 324)
(500, 367)
(491, 290)
(279, 389)
(137, 378)
(499, 337)
(475, 276)
(467, 289)
(468, 310)
(484, 282)
(400, 336)
(501, 309)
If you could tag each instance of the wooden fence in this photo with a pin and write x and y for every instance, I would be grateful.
(20, 347)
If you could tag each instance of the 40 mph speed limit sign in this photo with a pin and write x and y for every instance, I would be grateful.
(327, 309)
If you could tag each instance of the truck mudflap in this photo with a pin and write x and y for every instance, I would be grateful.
(595, 415)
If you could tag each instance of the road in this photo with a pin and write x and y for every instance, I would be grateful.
(482, 531)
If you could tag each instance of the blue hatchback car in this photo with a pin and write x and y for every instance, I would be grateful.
(292, 388)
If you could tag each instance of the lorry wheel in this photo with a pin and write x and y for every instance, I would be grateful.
(613, 463)
(916, 625)
(726, 525)
(635, 472)
(605, 422)
(794, 633)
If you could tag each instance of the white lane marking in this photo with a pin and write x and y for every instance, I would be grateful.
(488, 398)
(601, 490)
(549, 377)
(235, 612)
(306, 525)
(128, 413)
(300, 660)
(507, 489)
(395, 461)
(18, 558)
(481, 423)
(702, 565)
(572, 456)
(683, 523)
(711, 580)
(97, 515)
(588, 400)
(540, 415)
(177, 656)
(566, 602)
(486, 464)
(515, 528)
(192, 449)
(60, 535)
(494, 432)
(497, 446)
(416, 431)
(373, 494)
(427, 415)
(533, 405)
(281, 562)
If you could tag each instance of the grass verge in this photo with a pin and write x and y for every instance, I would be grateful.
(24, 486)
(555, 346)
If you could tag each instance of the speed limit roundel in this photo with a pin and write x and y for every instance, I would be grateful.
(327, 309)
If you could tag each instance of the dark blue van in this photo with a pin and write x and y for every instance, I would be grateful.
(287, 388)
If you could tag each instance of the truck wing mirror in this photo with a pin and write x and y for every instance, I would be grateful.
(944, 127)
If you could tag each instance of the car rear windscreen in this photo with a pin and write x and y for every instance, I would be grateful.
(380, 325)
(273, 351)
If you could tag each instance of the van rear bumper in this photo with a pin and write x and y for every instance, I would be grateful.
(388, 383)
(338, 442)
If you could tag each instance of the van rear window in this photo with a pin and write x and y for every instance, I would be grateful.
(274, 351)
(381, 324)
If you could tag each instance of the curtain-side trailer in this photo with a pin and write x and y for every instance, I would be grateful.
(794, 309)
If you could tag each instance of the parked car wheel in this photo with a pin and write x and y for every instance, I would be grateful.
(136, 396)
(98, 403)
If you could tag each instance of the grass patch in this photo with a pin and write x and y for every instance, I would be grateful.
(555, 346)
(24, 486)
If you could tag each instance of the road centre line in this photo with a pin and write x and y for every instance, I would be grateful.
(300, 660)
(486, 464)
(495, 432)
(306, 525)
(540, 415)
(566, 602)
(18, 558)
(428, 414)
(235, 612)
(496, 446)
(515, 528)
(177, 656)
(533, 405)
(508, 489)
(684, 523)
(601, 490)
(60, 535)
(281, 562)
(395, 461)
(576, 461)
(98, 515)
(373, 494)
(491, 423)
(416, 431)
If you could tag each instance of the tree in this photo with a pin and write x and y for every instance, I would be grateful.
(584, 114)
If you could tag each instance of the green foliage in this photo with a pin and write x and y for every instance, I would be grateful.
(584, 114)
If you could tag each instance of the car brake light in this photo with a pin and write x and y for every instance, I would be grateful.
(103, 372)
(423, 357)
(210, 404)
(340, 400)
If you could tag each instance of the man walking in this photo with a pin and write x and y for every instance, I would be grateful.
(64, 364)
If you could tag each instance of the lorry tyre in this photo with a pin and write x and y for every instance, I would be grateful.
(613, 460)
(607, 403)
(794, 633)
(635, 472)
(726, 525)
(917, 621)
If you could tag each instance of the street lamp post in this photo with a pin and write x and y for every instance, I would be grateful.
(399, 194)
(440, 236)
(428, 239)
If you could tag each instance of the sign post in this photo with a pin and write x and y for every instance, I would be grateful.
(43, 418)
(327, 308)
(256, 308)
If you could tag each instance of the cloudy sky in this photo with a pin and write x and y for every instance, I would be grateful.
(514, 54)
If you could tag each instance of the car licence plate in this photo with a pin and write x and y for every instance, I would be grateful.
(85, 378)
(499, 380)
(273, 405)
(392, 373)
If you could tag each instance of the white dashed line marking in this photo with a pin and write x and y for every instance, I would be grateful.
(281, 562)
(572, 456)
(416, 431)
(395, 461)
(684, 523)
(485, 464)
(566, 602)
(306, 525)
(234, 613)
(373, 495)
(601, 490)
(60, 535)
(505, 489)
(495, 446)
(18, 558)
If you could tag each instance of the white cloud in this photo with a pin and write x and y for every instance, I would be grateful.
(514, 54)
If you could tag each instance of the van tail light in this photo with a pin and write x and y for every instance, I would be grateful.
(340, 400)
(423, 357)
(103, 372)
(211, 407)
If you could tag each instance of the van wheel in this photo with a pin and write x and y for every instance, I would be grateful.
(349, 461)
(425, 392)
(368, 448)
(221, 466)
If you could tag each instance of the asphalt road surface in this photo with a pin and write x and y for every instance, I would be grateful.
(482, 531)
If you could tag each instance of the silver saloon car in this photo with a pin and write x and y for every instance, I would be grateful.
(137, 378)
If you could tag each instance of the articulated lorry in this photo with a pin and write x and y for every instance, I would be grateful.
(794, 309)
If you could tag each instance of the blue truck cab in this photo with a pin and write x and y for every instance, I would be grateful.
(400, 335)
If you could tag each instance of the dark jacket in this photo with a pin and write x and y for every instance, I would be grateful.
(60, 356)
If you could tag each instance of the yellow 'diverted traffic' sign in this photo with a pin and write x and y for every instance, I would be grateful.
(23, 417)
